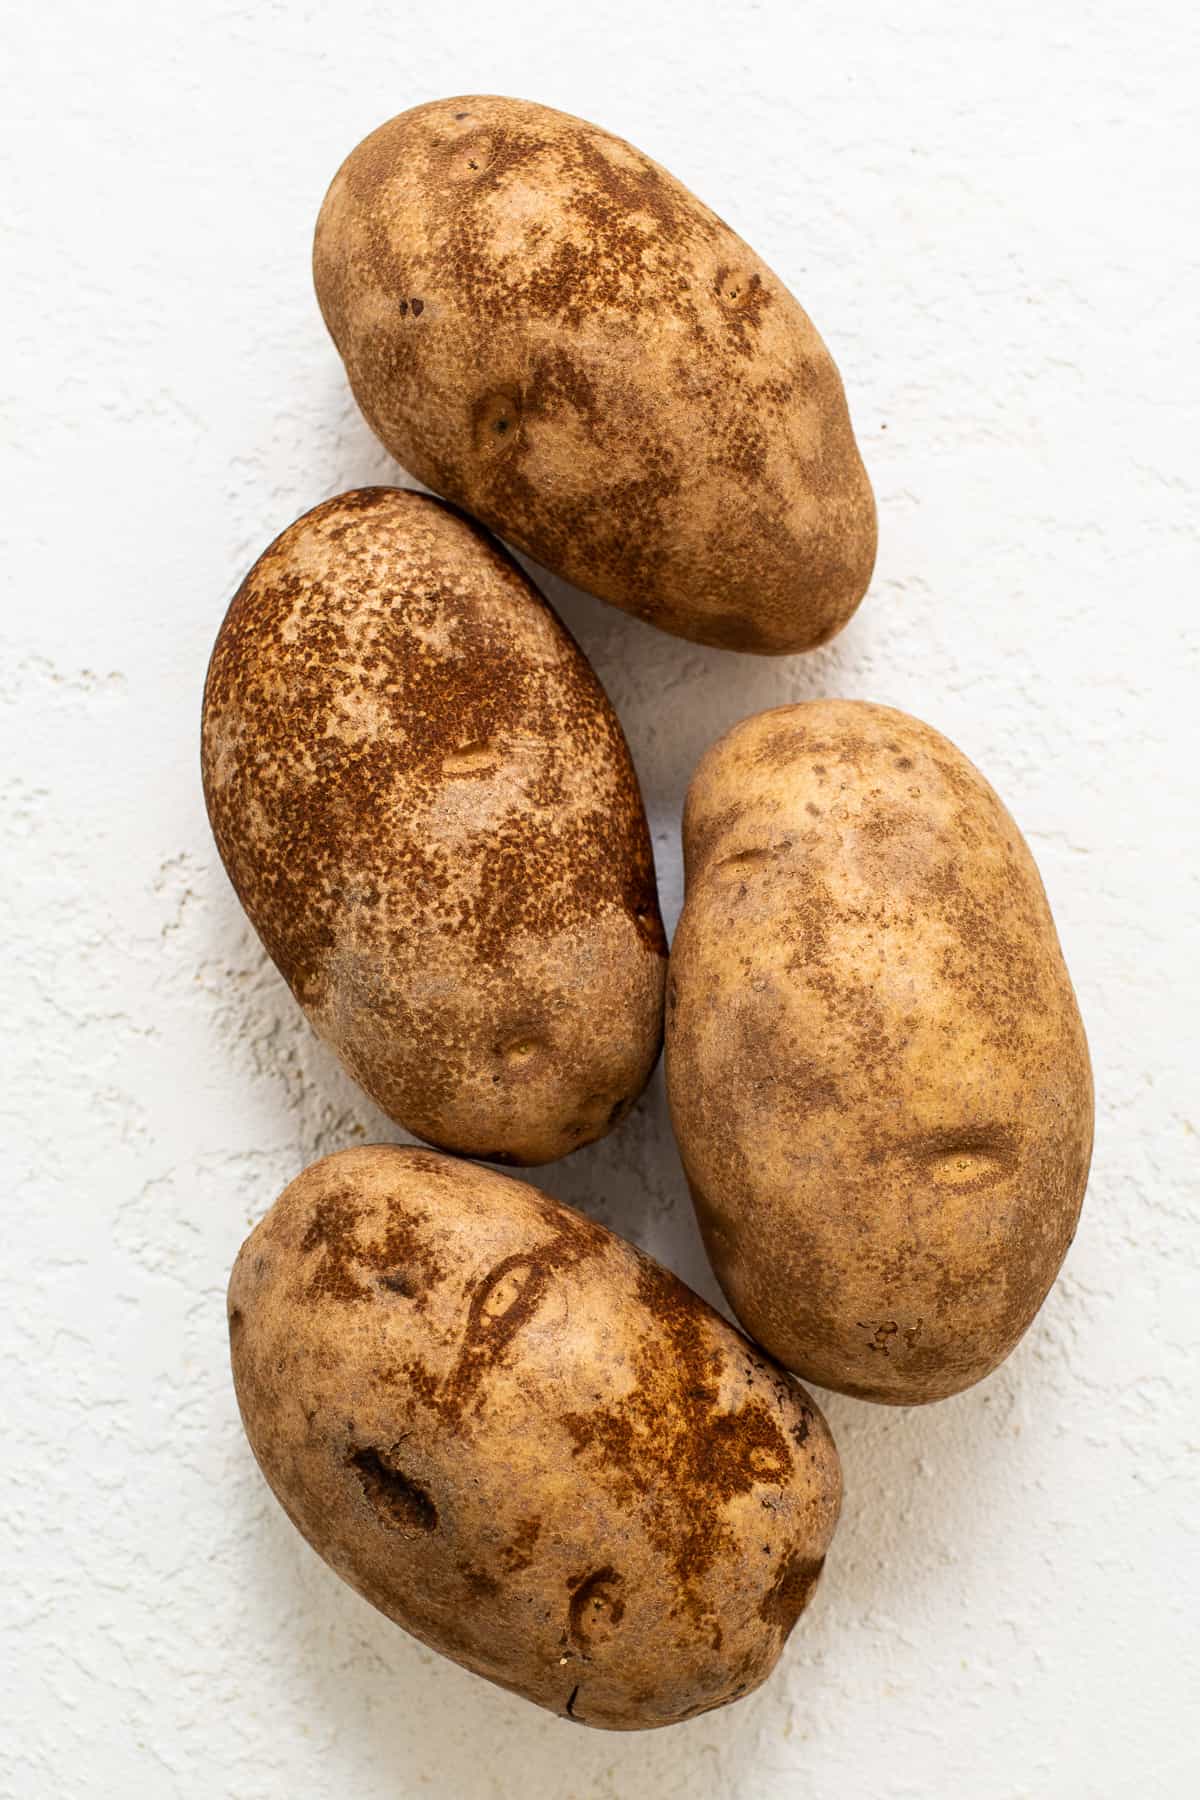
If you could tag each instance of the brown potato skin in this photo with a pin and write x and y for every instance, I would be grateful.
(524, 1441)
(877, 1072)
(427, 807)
(548, 328)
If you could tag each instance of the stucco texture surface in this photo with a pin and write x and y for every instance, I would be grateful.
(990, 216)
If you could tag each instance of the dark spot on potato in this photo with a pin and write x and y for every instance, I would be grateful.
(790, 1592)
(235, 1318)
(482, 1585)
(418, 307)
(398, 1501)
(398, 1283)
(518, 1555)
(346, 1261)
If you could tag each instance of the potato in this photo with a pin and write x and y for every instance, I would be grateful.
(877, 1072)
(526, 1442)
(548, 328)
(427, 807)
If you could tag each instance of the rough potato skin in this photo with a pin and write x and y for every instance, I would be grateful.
(427, 807)
(526, 1442)
(548, 328)
(877, 1072)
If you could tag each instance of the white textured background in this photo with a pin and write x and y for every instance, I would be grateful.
(990, 214)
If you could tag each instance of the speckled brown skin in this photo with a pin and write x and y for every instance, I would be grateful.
(427, 807)
(526, 1442)
(877, 1072)
(548, 328)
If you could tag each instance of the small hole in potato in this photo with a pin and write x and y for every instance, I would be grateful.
(396, 1499)
(470, 153)
(470, 759)
(496, 423)
(736, 287)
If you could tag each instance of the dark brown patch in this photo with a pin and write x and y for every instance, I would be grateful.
(398, 1283)
(518, 1554)
(347, 1263)
(482, 1585)
(672, 1419)
(791, 1590)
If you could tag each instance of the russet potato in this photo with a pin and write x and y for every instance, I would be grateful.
(546, 327)
(427, 807)
(526, 1442)
(877, 1073)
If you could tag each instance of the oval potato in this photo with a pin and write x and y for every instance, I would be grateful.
(526, 1442)
(427, 807)
(877, 1072)
(548, 328)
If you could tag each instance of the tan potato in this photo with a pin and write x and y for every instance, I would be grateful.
(427, 807)
(548, 328)
(526, 1442)
(877, 1072)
